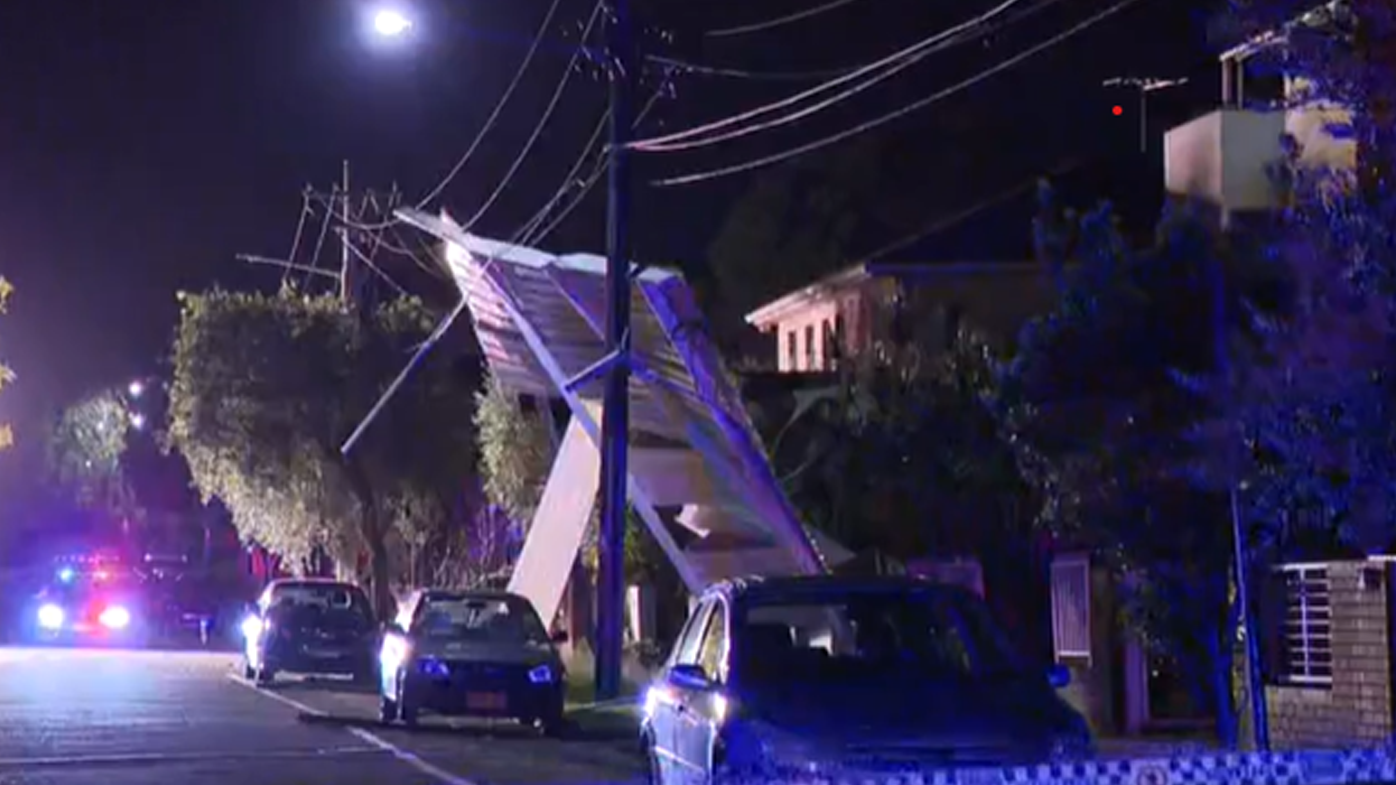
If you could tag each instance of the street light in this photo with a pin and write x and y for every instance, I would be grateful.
(391, 23)
(136, 389)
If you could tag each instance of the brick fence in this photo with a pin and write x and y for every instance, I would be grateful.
(1355, 710)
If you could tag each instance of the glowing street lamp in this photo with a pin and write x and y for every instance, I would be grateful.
(136, 389)
(390, 23)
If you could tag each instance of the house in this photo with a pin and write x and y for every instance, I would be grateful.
(850, 313)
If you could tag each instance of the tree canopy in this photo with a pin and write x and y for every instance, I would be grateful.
(267, 387)
(85, 450)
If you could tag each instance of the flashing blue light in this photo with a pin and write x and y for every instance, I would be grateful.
(66, 575)
(434, 668)
(542, 674)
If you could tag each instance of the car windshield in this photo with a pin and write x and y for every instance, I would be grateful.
(483, 620)
(334, 605)
(869, 635)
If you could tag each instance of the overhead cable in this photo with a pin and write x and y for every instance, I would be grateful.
(837, 98)
(897, 114)
(542, 121)
(490, 121)
(782, 21)
(895, 60)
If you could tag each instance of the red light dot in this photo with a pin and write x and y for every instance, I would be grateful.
(1118, 111)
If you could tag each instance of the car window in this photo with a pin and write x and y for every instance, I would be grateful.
(483, 620)
(712, 652)
(868, 635)
(328, 604)
(686, 649)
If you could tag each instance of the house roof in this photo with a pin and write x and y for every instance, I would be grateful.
(773, 312)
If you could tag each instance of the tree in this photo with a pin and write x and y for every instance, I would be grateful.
(1093, 405)
(267, 387)
(516, 451)
(900, 435)
(794, 225)
(85, 453)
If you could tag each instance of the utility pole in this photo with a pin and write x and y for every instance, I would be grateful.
(1144, 87)
(1255, 688)
(346, 284)
(615, 418)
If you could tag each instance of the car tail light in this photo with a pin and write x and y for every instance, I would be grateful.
(115, 617)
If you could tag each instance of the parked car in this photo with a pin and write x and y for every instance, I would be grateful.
(476, 653)
(310, 626)
(820, 675)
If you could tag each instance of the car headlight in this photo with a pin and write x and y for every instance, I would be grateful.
(543, 674)
(51, 616)
(251, 628)
(394, 653)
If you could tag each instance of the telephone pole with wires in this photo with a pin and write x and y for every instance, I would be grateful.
(615, 414)
(360, 220)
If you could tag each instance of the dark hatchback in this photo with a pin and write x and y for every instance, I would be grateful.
(827, 675)
(471, 653)
(313, 627)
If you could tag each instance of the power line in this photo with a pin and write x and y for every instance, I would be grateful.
(771, 24)
(503, 101)
(542, 121)
(942, 223)
(895, 60)
(897, 114)
(837, 98)
(742, 73)
(585, 186)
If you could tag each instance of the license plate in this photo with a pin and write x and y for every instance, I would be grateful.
(486, 701)
(324, 654)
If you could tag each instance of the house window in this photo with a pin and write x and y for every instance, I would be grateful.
(1071, 608)
(792, 354)
(1308, 630)
(809, 347)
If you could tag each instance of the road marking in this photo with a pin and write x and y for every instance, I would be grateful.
(429, 769)
(147, 758)
(276, 696)
(411, 759)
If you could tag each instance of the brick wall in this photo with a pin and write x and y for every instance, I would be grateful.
(1356, 709)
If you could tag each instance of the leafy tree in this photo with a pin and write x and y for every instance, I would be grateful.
(1093, 404)
(516, 451)
(265, 390)
(85, 451)
(794, 225)
(896, 437)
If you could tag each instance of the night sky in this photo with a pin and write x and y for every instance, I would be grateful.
(144, 143)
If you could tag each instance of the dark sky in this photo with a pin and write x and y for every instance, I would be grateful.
(144, 143)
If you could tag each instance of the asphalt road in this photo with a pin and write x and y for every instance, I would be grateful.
(72, 716)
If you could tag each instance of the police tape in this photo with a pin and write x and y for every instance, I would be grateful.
(1308, 767)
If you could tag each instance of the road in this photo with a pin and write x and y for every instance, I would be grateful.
(71, 716)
